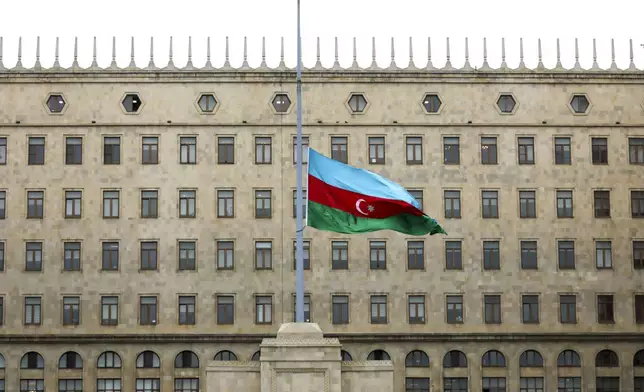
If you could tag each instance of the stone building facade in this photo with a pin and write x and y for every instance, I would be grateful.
(147, 225)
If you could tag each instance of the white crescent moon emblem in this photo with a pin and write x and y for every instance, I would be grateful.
(358, 206)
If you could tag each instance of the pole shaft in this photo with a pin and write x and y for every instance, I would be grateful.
(299, 242)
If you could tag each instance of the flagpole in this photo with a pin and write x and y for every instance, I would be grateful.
(299, 242)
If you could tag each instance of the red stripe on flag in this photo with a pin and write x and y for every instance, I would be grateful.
(362, 206)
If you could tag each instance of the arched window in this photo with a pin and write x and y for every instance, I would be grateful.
(32, 360)
(417, 358)
(568, 358)
(493, 358)
(455, 359)
(186, 360)
(256, 356)
(70, 360)
(531, 358)
(225, 355)
(109, 360)
(148, 360)
(1, 362)
(346, 357)
(638, 358)
(606, 358)
(378, 355)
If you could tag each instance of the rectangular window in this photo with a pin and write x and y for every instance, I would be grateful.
(530, 309)
(73, 204)
(452, 204)
(414, 148)
(605, 309)
(636, 150)
(72, 256)
(225, 203)
(303, 203)
(306, 255)
(263, 309)
(415, 255)
(492, 304)
(529, 255)
(32, 310)
(109, 310)
(451, 151)
(638, 255)
(108, 385)
(490, 204)
(607, 384)
(33, 259)
(527, 204)
(3, 150)
(35, 204)
(148, 385)
(263, 153)
(637, 204)
(225, 254)
(149, 253)
(305, 149)
(639, 384)
(378, 309)
(339, 255)
(416, 384)
(149, 204)
(416, 304)
(340, 304)
(562, 151)
(32, 385)
(378, 255)
(417, 194)
(111, 150)
(494, 384)
(639, 309)
(377, 150)
(564, 204)
(340, 149)
(602, 204)
(599, 150)
(489, 154)
(36, 151)
(566, 254)
(71, 310)
(531, 384)
(603, 255)
(453, 255)
(148, 310)
(73, 150)
(3, 204)
(454, 309)
(1, 315)
(225, 309)
(1, 256)
(225, 150)
(568, 309)
(263, 255)
(186, 385)
(70, 385)
(455, 384)
(111, 204)
(187, 255)
(150, 150)
(187, 309)
(188, 150)
(263, 204)
(307, 308)
(110, 256)
(491, 255)
(526, 150)
(187, 204)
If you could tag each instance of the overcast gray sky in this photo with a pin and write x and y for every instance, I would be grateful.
(401, 19)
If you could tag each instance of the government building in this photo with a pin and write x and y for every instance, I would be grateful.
(147, 225)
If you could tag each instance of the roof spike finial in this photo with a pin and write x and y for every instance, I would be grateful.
(631, 66)
(263, 63)
(429, 54)
(19, 62)
(189, 63)
(151, 63)
(521, 62)
(37, 64)
(94, 50)
(577, 65)
(208, 64)
(113, 63)
(558, 65)
(336, 63)
(75, 62)
(503, 63)
(539, 54)
(245, 54)
(467, 65)
(282, 63)
(227, 54)
(411, 54)
(1, 52)
(448, 63)
(485, 65)
(613, 65)
(318, 63)
(393, 53)
(595, 65)
(354, 64)
(132, 62)
(374, 63)
(171, 53)
(57, 53)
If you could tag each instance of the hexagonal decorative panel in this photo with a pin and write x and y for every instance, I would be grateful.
(506, 103)
(132, 103)
(207, 103)
(55, 103)
(281, 103)
(579, 104)
(432, 103)
(357, 103)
